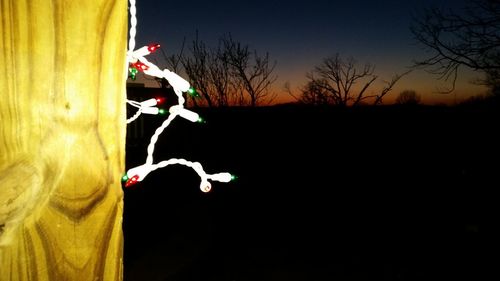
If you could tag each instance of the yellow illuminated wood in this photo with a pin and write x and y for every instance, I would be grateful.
(62, 138)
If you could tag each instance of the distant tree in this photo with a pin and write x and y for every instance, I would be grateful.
(408, 97)
(469, 39)
(229, 74)
(226, 86)
(313, 94)
(254, 73)
(486, 99)
(478, 99)
(333, 82)
(174, 61)
(197, 68)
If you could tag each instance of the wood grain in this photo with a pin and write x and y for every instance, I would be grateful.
(62, 138)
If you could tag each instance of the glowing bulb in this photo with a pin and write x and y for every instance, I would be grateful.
(138, 173)
(162, 111)
(144, 51)
(222, 177)
(153, 47)
(192, 92)
(133, 72)
(205, 186)
(133, 180)
(160, 100)
(140, 66)
(125, 177)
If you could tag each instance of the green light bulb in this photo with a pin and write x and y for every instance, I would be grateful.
(133, 71)
(125, 178)
(162, 111)
(192, 91)
(234, 177)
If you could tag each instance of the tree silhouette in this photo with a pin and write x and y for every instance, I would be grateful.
(197, 68)
(470, 39)
(230, 73)
(333, 82)
(408, 97)
(314, 94)
(254, 73)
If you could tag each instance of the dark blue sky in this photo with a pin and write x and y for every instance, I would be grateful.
(298, 35)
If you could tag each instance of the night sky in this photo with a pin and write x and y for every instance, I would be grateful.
(298, 35)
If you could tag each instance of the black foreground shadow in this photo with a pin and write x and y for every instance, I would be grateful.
(384, 193)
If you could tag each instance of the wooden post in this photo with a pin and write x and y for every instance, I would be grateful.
(62, 138)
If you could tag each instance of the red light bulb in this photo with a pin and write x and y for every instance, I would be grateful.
(153, 47)
(133, 180)
(140, 66)
(160, 100)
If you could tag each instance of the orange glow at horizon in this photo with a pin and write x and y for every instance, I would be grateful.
(426, 85)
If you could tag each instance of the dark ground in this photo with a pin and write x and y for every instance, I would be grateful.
(323, 194)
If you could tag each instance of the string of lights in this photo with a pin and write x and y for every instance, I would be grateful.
(136, 62)
(146, 107)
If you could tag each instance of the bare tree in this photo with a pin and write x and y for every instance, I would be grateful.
(334, 80)
(469, 39)
(224, 84)
(197, 68)
(229, 74)
(315, 93)
(174, 61)
(408, 97)
(253, 72)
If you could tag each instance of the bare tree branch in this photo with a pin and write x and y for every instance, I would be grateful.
(389, 86)
(453, 40)
(334, 82)
(230, 74)
(253, 71)
(288, 89)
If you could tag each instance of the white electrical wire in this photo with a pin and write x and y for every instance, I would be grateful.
(135, 116)
(205, 185)
(154, 138)
(146, 107)
(133, 26)
(180, 85)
